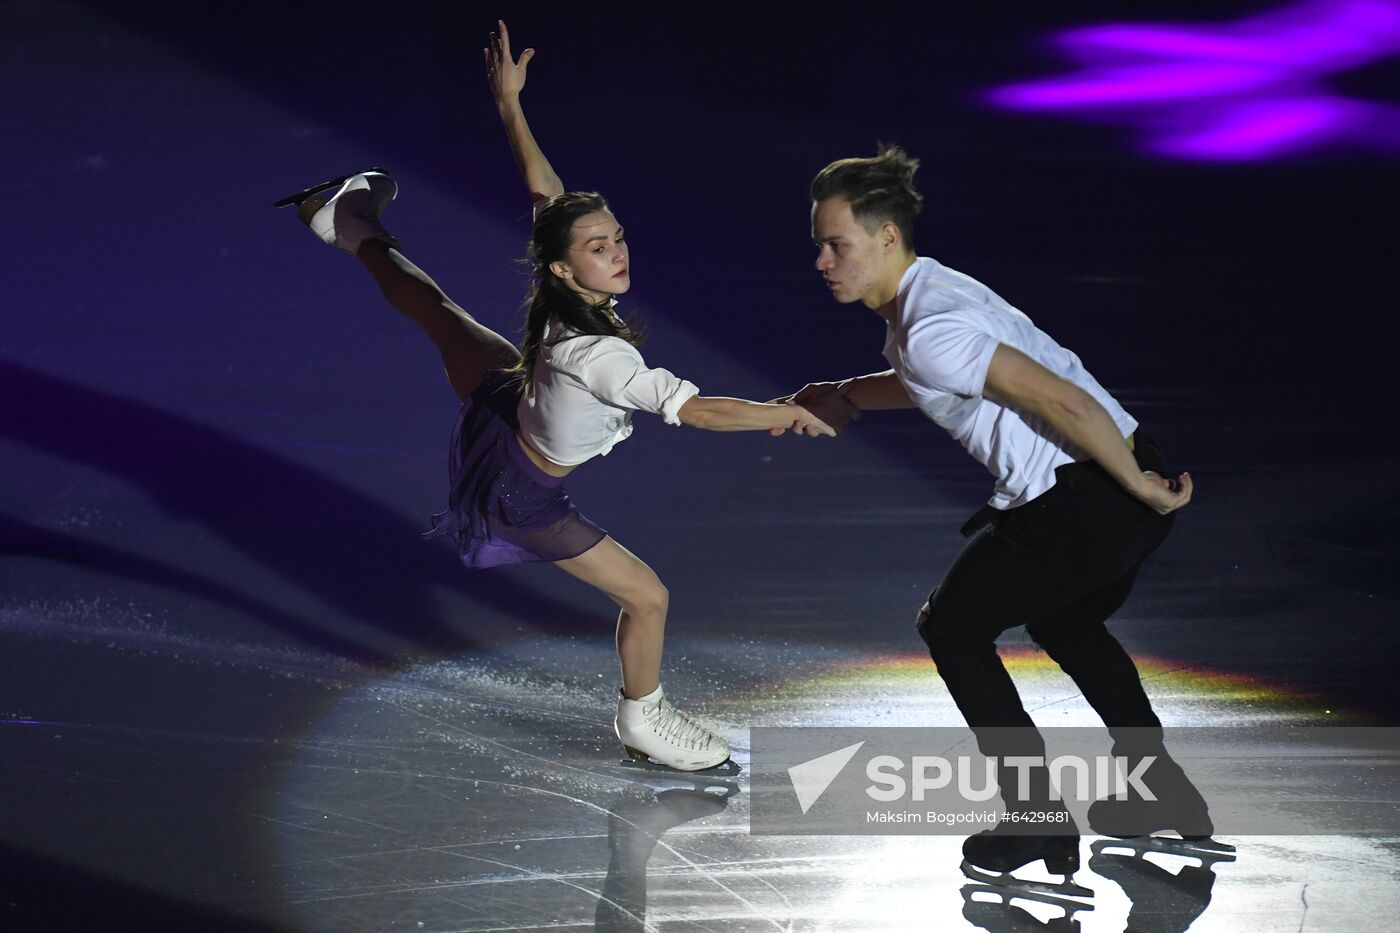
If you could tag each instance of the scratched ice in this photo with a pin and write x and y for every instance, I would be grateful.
(479, 794)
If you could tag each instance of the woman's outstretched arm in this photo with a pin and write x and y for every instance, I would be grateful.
(714, 413)
(507, 78)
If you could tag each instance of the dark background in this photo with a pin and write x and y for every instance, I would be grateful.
(217, 443)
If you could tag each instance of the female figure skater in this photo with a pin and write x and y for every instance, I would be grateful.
(531, 416)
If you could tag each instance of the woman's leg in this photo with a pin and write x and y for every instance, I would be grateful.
(468, 348)
(648, 725)
(643, 598)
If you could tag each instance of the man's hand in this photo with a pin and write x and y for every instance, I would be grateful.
(1165, 495)
(805, 421)
(811, 390)
(507, 76)
(826, 400)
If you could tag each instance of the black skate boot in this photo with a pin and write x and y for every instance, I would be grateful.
(992, 856)
(1179, 806)
(1039, 828)
(1035, 825)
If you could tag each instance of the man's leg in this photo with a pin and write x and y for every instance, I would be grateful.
(1079, 642)
(994, 584)
(1111, 524)
(1077, 639)
(1078, 543)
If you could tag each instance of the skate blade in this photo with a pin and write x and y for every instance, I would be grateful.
(1005, 895)
(1204, 849)
(305, 193)
(1007, 881)
(640, 762)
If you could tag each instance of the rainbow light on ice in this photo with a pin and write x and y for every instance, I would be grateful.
(1225, 693)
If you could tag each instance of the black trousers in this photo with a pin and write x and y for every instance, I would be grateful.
(1060, 565)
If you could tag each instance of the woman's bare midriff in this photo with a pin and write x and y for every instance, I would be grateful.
(541, 461)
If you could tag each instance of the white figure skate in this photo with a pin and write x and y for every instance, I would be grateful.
(350, 216)
(651, 729)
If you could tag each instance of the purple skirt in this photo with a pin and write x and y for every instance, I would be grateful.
(503, 509)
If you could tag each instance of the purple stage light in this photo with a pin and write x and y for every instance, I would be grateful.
(1259, 131)
(1138, 84)
(1252, 89)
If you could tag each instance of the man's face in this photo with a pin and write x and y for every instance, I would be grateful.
(848, 257)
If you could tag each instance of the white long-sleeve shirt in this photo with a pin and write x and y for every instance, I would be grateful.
(583, 391)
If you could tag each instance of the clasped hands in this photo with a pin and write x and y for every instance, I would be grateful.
(822, 405)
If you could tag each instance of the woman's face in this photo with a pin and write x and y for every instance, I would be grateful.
(596, 265)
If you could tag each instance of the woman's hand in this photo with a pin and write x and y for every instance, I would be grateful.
(826, 400)
(506, 76)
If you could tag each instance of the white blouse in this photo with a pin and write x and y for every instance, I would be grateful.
(584, 390)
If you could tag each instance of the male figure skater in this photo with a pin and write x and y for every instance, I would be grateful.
(1080, 498)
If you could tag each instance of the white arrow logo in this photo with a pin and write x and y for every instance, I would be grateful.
(811, 778)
